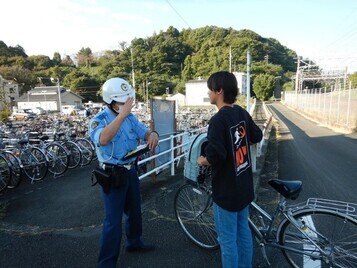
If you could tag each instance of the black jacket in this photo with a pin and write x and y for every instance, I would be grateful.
(229, 135)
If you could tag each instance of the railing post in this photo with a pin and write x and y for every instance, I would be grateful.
(253, 150)
(172, 155)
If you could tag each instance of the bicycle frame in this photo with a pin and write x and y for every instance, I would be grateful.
(265, 236)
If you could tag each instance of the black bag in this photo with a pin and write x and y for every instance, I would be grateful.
(119, 176)
(103, 177)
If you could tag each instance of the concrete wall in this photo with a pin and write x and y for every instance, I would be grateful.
(196, 93)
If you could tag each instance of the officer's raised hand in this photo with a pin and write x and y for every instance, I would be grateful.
(124, 109)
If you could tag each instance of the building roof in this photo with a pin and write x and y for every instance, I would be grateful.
(49, 93)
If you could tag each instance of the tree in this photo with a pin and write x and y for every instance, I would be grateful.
(40, 62)
(353, 79)
(167, 59)
(11, 51)
(57, 58)
(288, 86)
(263, 86)
(85, 57)
(21, 75)
(67, 61)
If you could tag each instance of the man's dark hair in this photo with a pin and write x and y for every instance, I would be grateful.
(227, 82)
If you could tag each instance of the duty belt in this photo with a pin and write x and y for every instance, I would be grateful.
(128, 166)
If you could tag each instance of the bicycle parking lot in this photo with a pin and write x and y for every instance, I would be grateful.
(35, 148)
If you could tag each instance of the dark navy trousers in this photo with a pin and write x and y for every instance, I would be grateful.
(123, 200)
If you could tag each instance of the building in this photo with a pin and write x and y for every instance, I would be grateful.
(9, 91)
(197, 91)
(242, 82)
(47, 98)
(180, 100)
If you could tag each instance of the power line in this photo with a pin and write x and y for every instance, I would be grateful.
(178, 14)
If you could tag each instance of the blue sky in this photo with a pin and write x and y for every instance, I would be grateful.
(322, 30)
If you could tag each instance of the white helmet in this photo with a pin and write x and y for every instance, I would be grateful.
(117, 89)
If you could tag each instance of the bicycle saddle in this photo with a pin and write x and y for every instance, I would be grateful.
(288, 189)
(23, 141)
(44, 138)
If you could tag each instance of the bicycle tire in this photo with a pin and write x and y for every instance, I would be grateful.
(86, 150)
(16, 169)
(35, 164)
(58, 158)
(75, 155)
(194, 212)
(332, 232)
(5, 173)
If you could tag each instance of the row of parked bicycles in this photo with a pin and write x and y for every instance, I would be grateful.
(33, 155)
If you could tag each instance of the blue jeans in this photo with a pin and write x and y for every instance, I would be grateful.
(234, 237)
(123, 200)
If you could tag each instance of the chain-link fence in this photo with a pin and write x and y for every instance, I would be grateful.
(335, 106)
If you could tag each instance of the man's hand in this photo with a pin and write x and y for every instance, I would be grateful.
(202, 161)
(152, 140)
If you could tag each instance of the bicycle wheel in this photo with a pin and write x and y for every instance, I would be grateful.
(86, 150)
(333, 233)
(35, 165)
(5, 173)
(194, 212)
(58, 159)
(16, 169)
(75, 155)
(95, 157)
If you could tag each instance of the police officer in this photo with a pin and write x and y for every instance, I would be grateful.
(115, 132)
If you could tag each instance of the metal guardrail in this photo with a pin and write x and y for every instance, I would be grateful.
(266, 130)
(180, 144)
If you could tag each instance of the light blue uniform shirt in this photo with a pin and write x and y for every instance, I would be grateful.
(124, 141)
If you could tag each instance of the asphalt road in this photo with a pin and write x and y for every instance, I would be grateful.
(323, 159)
(57, 222)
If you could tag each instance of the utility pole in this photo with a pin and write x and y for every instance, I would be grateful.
(230, 59)
(132, 67)
(2, 94)
(248, 79)
(297, 75)
(58, 92)
(147, 95)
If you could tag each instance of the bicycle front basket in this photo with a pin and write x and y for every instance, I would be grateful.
(197, 148)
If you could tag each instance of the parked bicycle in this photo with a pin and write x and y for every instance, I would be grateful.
(318, 232)
(16, 167)
(33, 159)
(5, 173)
(57, 155)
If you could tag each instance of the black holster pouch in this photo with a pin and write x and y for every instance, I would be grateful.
(102, 177)
(110, 177)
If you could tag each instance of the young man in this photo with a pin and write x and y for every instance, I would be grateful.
(230, 132)
(115, 132)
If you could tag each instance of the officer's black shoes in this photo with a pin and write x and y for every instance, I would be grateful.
(140, 248)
